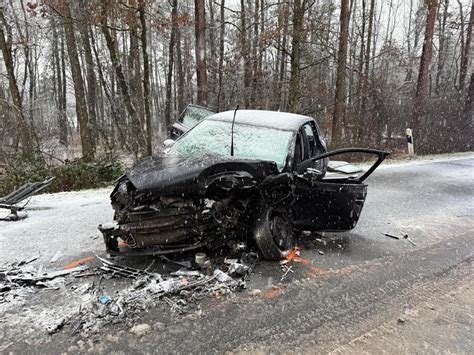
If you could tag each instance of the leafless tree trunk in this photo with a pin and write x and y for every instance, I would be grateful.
(137, 141)
(180, 70)
(135, 80)
(441, 45)
(221, 53)
(253, 97)
(169, 78)
(146, 78)
(109, 93)
(211, 61)
(298, 17)
(187, 66)
(244, 50)
(280, 94)
(470, 100)
(201, 67)
(87, 141)
(90, 79)
(58, 57)
(422, 83)
(365, 79)
(339, 104)
(466, 51)
(6, 47)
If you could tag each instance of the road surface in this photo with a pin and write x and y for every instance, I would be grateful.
(361, 292)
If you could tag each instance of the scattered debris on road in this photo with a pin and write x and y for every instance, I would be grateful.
(180, 290)
(404, 236)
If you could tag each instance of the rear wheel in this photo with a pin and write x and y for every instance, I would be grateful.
(273, 234)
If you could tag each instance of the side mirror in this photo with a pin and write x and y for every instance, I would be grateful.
(168, 143)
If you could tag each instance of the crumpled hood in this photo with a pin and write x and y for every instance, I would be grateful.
(175, 174)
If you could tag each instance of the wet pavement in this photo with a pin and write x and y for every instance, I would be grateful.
(346, 280)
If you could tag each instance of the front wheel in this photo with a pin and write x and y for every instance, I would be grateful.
(273, 234)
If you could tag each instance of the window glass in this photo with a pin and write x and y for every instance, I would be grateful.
(192, 115)
(250, 142)
(310, 137)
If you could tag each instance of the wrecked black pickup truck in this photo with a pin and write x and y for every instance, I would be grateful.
(237, 177)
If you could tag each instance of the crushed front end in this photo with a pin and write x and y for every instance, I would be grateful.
(158, 211)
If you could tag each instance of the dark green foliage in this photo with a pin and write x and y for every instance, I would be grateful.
(75, 175)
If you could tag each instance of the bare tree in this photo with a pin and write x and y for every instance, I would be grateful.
(6, 47)
(298, 17)
(90, 75)
(339, 103)
(87, 141)
(441, 44)
(137, 141)
(422, 83)
(221, 52)
(146, 78)
(172, 45)
(201, 67)
(466, 50)
(244, 51)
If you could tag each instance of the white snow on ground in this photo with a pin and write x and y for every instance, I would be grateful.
(417, 160)
(425, 159)
(65, 222)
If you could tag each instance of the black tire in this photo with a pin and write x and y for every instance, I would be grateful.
(273, 234)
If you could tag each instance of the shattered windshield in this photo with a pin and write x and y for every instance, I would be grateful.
(251, 142)
(193, 114)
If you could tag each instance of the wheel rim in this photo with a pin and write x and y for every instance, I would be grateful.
(281, 232)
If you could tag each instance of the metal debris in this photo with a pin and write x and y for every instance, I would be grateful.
(18, 278)
(28, 260)
(237, 269)
(121, 270)
(221, 276)
(405, 236)
(12, 200)
(287, 269)
(32, 277)
(185, 264)
(390, 236)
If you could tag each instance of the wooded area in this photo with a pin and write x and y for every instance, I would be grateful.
(91, 78)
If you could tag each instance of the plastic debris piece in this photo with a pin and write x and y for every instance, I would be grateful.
(237, 269)
(221, 276)
(186, 273)
(78, 262)
(200, 258)
(230, 261)
(55, 257)
(104, 299)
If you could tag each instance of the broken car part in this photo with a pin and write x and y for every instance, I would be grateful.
(12, 200)
(196, 195)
